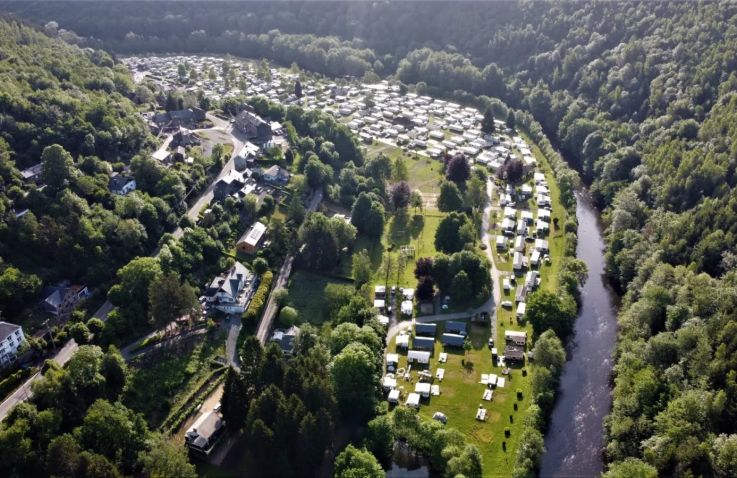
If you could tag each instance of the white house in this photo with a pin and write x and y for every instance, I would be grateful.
(517, 261)
(423, 389)
(121, 185)
(11, 336)
(515, 336)
(231, 291)
(541, 245)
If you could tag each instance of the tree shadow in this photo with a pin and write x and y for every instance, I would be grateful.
(399, 233)
(416, 225)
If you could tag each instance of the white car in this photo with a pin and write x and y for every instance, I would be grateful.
(507, 304)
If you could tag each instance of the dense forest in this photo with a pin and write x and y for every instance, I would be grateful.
(641, 97)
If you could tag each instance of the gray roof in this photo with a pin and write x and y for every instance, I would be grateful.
(423, 342)
(454, 340)
(229, 282)
(6, 328)
(454, 326)
(425, 329)
(119, 181)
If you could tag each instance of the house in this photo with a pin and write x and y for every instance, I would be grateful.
(247, 154)
(203, 435)
(32, 174)
(184, 137)
(413, 400)
(286, 339)
(163, 156)
(535, 258)
(276, 175)
(423, 343)
(531, 280)
(11, 336)
(508, 226)
(512, 353)
(250, 240)
(380, 292)
(501, 243)
(407, 307)
(418, 356)
(228, 185)
(516, 337)
(389, 382)
(455, 327)
(253, 126)
(393, 396)
(121, 185)
(427, 330)
(60, 300)
(230, 291)
(402, 341)
(519, 243)
(453, 340)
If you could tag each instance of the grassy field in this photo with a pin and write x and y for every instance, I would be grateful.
(461, 392)
(423, 173)
(157, 384)
(307, 295)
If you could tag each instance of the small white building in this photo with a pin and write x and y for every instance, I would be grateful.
(393, 396)
(519, 243)
(519, 337)
(402, 341)
(419, 356)
(501, 243)
(535, 258)
(423, 389)
(521, 309)
(407, 307)
(413, 400)
(541, 245)
(517, 261)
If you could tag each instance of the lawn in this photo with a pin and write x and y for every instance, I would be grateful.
(157, 383)
(424, 173)
(461, 395)
(307, 295)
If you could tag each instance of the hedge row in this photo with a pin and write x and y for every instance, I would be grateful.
(259, 298)
(12, 381)
(197, 398)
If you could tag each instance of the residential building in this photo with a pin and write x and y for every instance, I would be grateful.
(231, 291)
(11, 336)
(32, 174)
(61, 299)
(228, 185)
(286, 339)
(455, 327)
(515, 336)
(121, 184)
(253, 126)
(250, 241)
(513, 353)
(427, 330)
(204, 434)
(423, 343)
(276, 175)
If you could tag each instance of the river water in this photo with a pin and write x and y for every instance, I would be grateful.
(576, 435)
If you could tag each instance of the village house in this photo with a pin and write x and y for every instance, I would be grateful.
(250, 241)
(231, 291)
(423, 343)
(455, 327)
(453, 340)
(516, 337)
(230, 184)
(286, 339)
(61, 299)
(121, 184)
(276, 175)
(11, 337)
(427, 330)
(513, 353)
(253, 126)
(32, 174)
(204, 434)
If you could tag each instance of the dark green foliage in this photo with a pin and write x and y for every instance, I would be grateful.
(450, 236)
(324, 239)
(259, 299)
(450, 198)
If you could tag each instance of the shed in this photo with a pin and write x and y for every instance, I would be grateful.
(501, 243)
(453, 340)
(407, 307)
(419, 356)
(517, 261)
(541, 245)
(389, 383)
(521, 308)
(425, 329)
(402, 341)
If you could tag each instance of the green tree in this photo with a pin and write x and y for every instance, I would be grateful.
(170, 299)
(460, 288)
(450, 197)
(355, 375)
(487, 124)
(56, 167)
(511, 123)
(361, 268)
(451, 235)
(131, 292)
(62, 456)
(546, 310)
(260, 265)
(164, 459)
(632, 467)
(354, 463)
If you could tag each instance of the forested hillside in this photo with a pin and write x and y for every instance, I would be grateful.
(64, 109)
(640, 96)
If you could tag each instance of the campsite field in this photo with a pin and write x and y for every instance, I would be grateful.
(461, 394)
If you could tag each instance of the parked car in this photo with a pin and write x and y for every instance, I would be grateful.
(439, 416)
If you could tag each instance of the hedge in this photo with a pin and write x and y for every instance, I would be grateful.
(259, 298)
(12, 381)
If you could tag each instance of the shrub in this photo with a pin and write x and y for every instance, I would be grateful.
(519, 394)
(507, 432)
(259, 298)
(288, 316)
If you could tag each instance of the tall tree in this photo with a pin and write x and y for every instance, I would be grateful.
(487, 124)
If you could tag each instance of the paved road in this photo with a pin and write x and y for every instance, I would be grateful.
(231, 343)
(24, 391)
(264, 327)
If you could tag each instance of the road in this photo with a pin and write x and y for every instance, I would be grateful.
(264, 327)
(24, 392)
(496, 296)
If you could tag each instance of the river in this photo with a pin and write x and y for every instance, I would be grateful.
(576, 435)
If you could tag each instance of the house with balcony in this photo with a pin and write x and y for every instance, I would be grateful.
(11, 337)
(231, 291)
